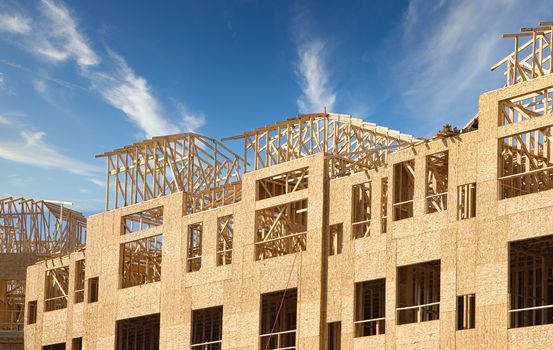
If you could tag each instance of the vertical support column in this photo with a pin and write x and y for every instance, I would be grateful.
(312, 286)
(174, 306)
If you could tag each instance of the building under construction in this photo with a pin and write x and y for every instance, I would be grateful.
(30, 230)
(324, 232)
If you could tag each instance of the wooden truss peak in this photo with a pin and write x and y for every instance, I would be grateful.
(186, 163)
(351, 144)
(532, 56)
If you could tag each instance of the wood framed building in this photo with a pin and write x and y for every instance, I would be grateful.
(326, 233)
(30, 230)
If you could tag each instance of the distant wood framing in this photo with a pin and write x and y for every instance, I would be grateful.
(335, 239)
(530, 284)
(56, 289)
(278, 320)
(466, 201)
(528, 106)
(194, 253)
(142, 220)
(12, 305)
(526, 163)
(207, 329)
(351, 144)
(141, 261)
(418, 292)
(78, 296)
(139, 333)
(370, 313)
(281, 230)
(404, 189)
(39, 227)
(384, 205)
(437, 170)
(532, 55)
(225, 239)
(361, 210)
(277, 185)
(202, 168)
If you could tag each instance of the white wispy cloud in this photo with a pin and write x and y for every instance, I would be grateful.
(39, 86)
(130, 93)
(60, 39)
(56, 37)
(97, 182)
(31, 149)
(189, 121)
(317, 92)
(442, 61)
(14, 24)
(312, 72)
(4, 121)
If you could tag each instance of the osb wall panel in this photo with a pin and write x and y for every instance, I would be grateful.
(531, 338)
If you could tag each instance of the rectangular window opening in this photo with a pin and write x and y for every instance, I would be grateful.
(404, 189)
(384, 205)
(281, 230)
(334, 336)
(526, 163)
(437, 168)
(141, 333)
(278, 320)
(335, 240)
(225, 239)
(56, 289)
(361, 210)
(194, 257)
(79, 281)
(211, 198)
(277, 185)
(207, 328)
(529, 106)
(530, 282)
(142, 220)
(60, 346)
(370, 306)
(141, 261)
(93, 287)
(466, 201)
(32, 311)
(466, 311)
(12, 305)
(418, 293)
(77, 343)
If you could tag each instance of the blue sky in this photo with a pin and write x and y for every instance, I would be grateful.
(81, 78)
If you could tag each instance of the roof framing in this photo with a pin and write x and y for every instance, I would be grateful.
(188, 163)
(532, 55)
(39, 227)
(351, 143)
